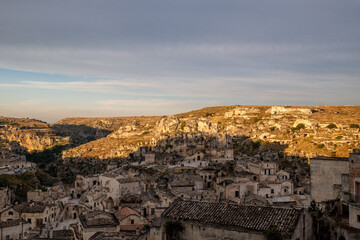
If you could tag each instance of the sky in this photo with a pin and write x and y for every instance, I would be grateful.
(107, 58)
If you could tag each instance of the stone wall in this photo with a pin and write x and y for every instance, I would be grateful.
(354, 175)
(354, 216)
(37, 196)
(325, 174)
(5, 197)
(197, 231)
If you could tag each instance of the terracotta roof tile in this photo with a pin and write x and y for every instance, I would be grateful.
(125, 212)
(259, 218)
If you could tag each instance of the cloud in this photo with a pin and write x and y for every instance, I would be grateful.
(172, 55)
(86, 86)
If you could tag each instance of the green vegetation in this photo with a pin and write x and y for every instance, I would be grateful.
(46, 156)
(256, 119)
(354, 126)
(339, 137)
(298, 127)
(183, 125)
(25, 182)
(320, 146)
(146, 133)
(331, 126)
(208, 114)
(272, 129)
(257, 143)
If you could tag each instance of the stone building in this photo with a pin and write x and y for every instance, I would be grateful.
(37, 195)
(149, 158)
(130, 220)
(354, 176)
(213, 221)
(37, 214)
(97, 221)
(325, 177)
(83, 183)
(13, 229)
(5, 197)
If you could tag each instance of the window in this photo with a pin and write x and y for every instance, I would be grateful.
(10, 213)
(152, 211)
(358, 218)
(7, 237)
(237, 194)
(29, 220)
(132, 221)
(285, 190)
(209, 177)
(267, 171)
(272, 190)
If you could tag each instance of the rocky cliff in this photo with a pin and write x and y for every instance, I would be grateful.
(305, 131)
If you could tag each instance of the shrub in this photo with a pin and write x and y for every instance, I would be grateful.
(145, 133)
(183, 125)
(257, 143)
(272, 129)
(299, 126)
(354, 126)
(331, 126)
(256, 119)
(208, 114)
(339, 137)
(320, 146)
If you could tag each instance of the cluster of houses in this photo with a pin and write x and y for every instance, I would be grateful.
(12, 163)
(191, 187)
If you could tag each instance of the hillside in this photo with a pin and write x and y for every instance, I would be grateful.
(306, 131)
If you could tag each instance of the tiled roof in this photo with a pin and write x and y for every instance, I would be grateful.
(63, 234)
(11, 223)
(105, 236)
(258, 218)
(94, 219)
(125, 212)
(128, 180)
(187, 180)
(30, 208)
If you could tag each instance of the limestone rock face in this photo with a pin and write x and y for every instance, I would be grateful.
(125, 132)
(206, 127)
(30, 141)
(289, 110)
(167, 125)
(241, 112)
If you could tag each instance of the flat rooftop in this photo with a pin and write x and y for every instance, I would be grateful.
(324, 158)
